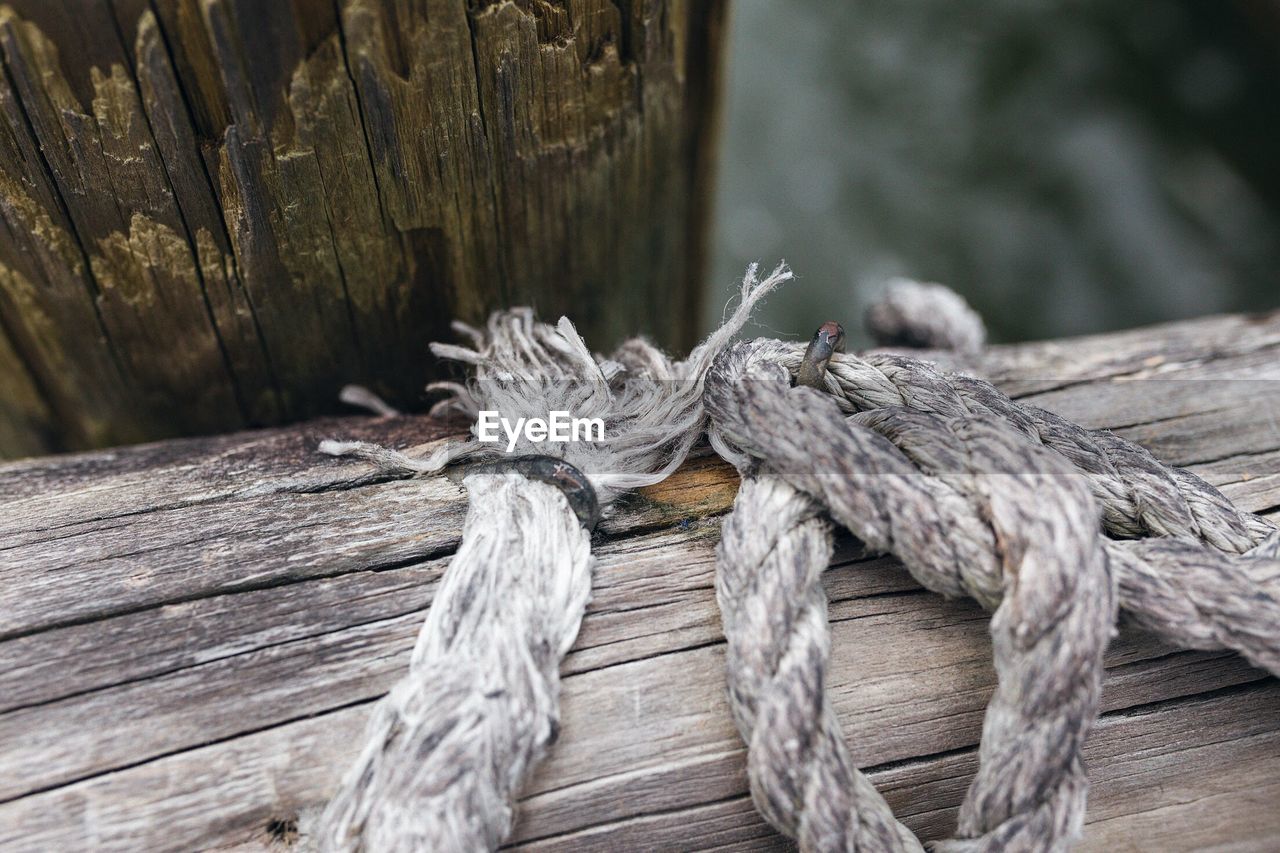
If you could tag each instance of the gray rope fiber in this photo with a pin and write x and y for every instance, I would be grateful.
(1139, 495)
(924, 316)
(1184, 591)
(1008, 526)
(447, 750)
(1212, 578)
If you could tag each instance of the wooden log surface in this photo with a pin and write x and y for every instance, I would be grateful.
(214, 213)
(192, 634)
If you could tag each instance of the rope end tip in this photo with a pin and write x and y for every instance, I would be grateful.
(331, 447)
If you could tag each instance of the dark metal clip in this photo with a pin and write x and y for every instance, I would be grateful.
(568, 478)
(826, 342)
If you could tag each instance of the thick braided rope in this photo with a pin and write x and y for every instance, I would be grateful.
(1197, 594)
(1032, 539)
(1184, 591)
(1138, 494)
(773, 550)
(446, 751)
(479, 706)
(1200, 598)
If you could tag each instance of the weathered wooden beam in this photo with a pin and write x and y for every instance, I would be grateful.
(214, 213)
(192, 634)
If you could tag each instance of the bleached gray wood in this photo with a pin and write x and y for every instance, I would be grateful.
(191, 635)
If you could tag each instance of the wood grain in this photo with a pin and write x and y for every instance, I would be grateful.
(215, 213)
(192, 634)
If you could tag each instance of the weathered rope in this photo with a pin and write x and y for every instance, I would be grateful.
(773, 549)
(1215, 586)
(448, 748)
(446, 751)
(987, 531)
(1139, 495)
(972, 491)
(930, 316)
(1184, 591)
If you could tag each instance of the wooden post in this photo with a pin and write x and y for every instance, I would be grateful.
(214, 213)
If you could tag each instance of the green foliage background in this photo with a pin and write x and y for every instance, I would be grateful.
(1068, 166)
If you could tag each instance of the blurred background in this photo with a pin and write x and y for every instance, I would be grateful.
(1069, 166)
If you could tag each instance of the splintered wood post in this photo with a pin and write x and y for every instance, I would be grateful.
(214, 213)
(193, 633)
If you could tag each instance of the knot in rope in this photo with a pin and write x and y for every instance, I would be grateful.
(1204, 575)
(1139, 495)
(1008, 525)
(977, 495)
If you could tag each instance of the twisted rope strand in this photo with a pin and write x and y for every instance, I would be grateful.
(446, 751)
(1049, 635)
(1184, 591)
(1198, 597)
(772, 551)
(1217, 588)
(1050, 631)
(1138, 494)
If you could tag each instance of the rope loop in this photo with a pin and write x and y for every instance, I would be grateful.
(1008, 524)
(978, 496)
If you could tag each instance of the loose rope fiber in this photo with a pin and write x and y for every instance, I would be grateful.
(1030, 543)
(447, 750)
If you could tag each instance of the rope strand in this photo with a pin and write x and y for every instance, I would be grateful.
(1139, 495)
(448, 748)
(1183, 590)
(773, 549)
